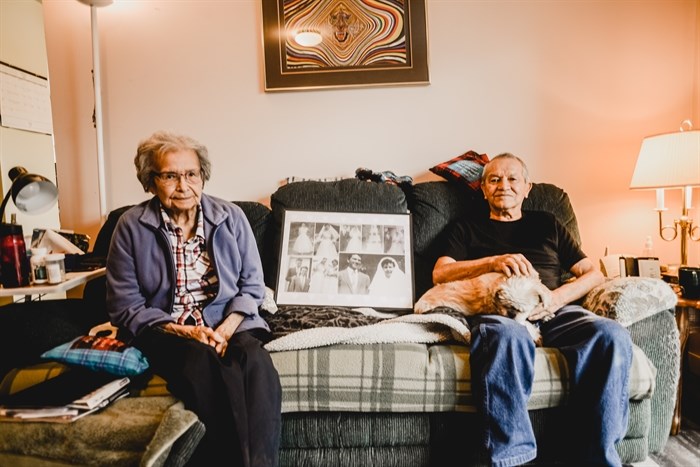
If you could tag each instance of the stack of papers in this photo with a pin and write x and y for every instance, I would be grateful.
(51, 401)
(102, 396)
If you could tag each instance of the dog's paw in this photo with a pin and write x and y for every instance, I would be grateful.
(424, 304)
(421, 306)
(546, 318)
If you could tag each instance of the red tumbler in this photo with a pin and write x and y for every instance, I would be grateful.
(14, 264)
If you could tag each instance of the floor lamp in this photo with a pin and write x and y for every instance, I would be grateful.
(94, 4)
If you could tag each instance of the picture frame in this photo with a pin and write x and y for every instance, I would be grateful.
(319, 250)
(362, 43)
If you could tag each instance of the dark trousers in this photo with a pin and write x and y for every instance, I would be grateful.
(237, 396)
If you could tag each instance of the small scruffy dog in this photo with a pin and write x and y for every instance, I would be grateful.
(490, 293)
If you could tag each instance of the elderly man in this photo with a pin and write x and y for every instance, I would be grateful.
(598, 350)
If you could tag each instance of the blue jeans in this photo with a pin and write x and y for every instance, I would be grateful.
(599, 355)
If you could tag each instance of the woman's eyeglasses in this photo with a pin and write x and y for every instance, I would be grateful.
(172, 178)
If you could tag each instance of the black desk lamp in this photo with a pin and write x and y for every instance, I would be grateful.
(31, 193)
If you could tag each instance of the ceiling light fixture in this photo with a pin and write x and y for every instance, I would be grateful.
(308, 38)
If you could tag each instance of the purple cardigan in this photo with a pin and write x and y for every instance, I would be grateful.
(141, 270)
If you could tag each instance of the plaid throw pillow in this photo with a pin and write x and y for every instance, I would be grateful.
(100, 354)
(464, 169)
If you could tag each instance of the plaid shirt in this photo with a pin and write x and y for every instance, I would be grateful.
(196, 282)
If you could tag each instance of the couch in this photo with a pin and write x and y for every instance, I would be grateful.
(409, 403)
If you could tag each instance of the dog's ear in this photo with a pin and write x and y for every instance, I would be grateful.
(500, 302)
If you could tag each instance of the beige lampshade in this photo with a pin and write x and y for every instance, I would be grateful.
(667, 161)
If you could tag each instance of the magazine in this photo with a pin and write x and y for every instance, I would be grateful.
(89, 403)
(100, 395)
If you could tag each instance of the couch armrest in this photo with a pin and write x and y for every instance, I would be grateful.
(642, 305)
(630, 299)
(657, 336)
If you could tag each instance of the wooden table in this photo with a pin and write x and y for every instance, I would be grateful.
(73, 280)
(683, 309)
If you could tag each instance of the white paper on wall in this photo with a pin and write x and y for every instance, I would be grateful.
(25, 101)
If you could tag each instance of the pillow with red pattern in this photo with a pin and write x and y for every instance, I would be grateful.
(465, 169)
(100, 354)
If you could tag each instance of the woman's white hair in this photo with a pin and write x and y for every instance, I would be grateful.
(163, 142)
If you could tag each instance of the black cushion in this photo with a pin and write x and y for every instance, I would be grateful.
(550, 198)
(29, 329)
(435, 205)
(259, 217)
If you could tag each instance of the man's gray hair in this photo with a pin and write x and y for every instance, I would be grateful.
(507, 155)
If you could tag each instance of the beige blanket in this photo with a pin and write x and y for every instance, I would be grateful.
(135, 431)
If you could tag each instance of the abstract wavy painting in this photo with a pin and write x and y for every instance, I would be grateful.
(328, 43)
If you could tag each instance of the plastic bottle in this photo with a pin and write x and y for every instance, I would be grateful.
(55, 268)
(648, 250)
(38, 266)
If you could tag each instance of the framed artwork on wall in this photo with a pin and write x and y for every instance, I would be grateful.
(339, 43)
(345, 259)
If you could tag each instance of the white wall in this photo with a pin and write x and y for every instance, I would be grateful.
(571, 86)
(22, 45)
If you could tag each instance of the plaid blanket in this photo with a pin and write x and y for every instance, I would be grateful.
(401, 377)
(323, 368)
(409, 377)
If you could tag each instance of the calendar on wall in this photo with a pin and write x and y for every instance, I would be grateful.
(25, 102)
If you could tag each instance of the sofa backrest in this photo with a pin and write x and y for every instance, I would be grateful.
(258, 216)
(433, 207)
(95, 290)
(348, 195)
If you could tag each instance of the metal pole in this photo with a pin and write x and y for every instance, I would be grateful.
(98, 113)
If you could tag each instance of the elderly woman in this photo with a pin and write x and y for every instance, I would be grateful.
(184, 282)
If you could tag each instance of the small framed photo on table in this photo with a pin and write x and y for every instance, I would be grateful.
(346, 259)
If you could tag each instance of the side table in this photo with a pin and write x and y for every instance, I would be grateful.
(73, 279)
(684, 308)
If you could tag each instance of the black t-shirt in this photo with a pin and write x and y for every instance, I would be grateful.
(538, 235)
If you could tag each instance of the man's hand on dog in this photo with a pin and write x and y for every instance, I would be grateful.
(513, 264)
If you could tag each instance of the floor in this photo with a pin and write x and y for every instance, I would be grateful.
(682, 450)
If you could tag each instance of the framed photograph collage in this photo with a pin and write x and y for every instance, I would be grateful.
(346, 259)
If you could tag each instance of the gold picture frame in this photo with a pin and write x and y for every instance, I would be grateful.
(362, 43)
